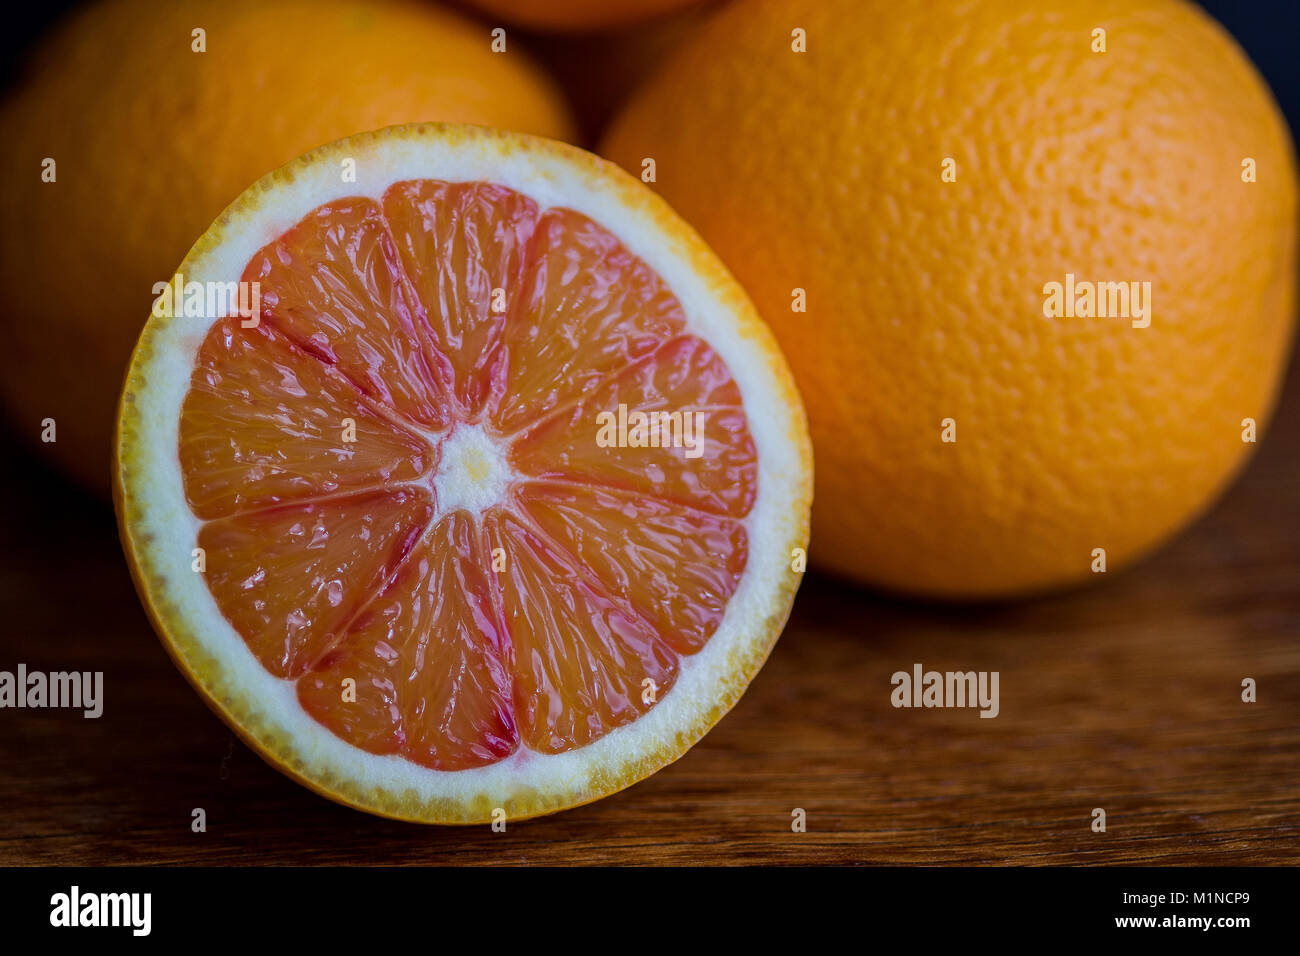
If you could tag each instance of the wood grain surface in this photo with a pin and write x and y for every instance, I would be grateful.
(1124, 695)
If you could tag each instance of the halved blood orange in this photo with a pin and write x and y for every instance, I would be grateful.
(376, 523)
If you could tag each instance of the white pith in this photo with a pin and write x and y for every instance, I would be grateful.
(168, 529)
(472, 473)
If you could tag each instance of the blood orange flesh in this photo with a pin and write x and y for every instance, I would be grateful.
(390, 531)
(404, 507)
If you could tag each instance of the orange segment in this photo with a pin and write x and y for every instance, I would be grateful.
(588, 307)
(461, 244)
(289, 579)
(582, 659)
(334, 284)
(262, 425)
(684, 379)
(677, 569)
(428, 661)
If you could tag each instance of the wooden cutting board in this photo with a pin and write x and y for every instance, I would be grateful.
(1125, 696)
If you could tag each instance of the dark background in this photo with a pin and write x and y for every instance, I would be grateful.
(1124, 695)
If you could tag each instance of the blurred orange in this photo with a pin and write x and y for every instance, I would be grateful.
(152, 137)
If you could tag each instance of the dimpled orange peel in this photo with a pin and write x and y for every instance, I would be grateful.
(918, 178)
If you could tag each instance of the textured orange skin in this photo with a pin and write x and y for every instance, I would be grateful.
(925, 299)
(564, 15)
(153, 140)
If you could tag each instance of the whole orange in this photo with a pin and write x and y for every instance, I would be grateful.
(152, 136)
(924, 173)
(578, 15)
